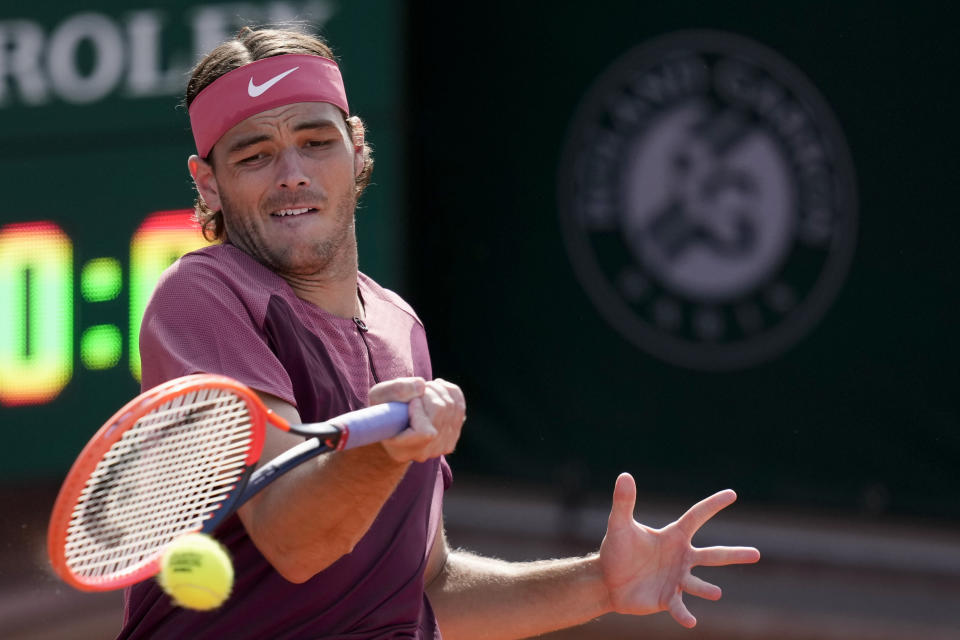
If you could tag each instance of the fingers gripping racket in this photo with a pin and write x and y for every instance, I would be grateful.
(177, 459)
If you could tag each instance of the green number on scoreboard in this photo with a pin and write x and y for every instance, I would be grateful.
(36, 312)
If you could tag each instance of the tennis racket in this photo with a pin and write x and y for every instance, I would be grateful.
(177, 459)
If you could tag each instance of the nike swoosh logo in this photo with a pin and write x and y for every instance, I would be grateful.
(258, 90)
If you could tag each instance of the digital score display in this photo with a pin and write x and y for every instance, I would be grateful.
(38, 357)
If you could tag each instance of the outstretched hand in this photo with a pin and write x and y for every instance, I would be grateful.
(647, 570)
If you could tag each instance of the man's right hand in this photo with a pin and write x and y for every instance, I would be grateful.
(437, 412)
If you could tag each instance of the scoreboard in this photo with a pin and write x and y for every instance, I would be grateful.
(37, 283)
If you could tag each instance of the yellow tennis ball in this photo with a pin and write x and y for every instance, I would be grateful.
(196, 572)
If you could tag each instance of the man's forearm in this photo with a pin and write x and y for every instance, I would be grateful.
(477, 598)
(315, 514)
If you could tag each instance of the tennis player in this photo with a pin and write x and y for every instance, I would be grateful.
(352, 545)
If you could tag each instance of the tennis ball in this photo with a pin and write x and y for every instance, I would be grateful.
(196, 572)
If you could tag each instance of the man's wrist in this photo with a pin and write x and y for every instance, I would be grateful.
(598, 584)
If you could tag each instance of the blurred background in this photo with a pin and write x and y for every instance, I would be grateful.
(711, 244)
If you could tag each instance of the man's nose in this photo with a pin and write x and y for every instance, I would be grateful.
(291, 172)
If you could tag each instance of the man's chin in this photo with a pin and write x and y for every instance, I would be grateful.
(303, 262)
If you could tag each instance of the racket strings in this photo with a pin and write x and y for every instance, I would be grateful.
(132, 445)
(164, 477)
(117, 497)
(169, 504)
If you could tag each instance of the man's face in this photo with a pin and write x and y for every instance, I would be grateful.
(284, 180)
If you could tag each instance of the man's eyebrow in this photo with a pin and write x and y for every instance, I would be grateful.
(315, 124)
(247, 142)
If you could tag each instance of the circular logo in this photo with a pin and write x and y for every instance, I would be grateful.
(708, 200)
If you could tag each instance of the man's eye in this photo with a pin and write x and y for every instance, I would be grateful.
(319, 143)
(253, 158)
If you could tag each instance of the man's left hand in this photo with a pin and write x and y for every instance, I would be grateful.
(647, 570)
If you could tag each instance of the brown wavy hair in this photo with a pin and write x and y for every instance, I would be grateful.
(248, 46)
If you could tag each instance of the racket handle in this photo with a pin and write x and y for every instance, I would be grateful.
(372, 424)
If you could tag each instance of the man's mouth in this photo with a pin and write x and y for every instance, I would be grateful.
(283, 213)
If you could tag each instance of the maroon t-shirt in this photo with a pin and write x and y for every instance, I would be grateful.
(219, 311)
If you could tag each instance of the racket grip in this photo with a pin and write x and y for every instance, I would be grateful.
(372, 424)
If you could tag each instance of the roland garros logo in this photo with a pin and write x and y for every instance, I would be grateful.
(708, 200)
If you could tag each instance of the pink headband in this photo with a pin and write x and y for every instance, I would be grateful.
(261, 86)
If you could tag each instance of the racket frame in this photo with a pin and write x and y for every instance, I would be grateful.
(80, 472)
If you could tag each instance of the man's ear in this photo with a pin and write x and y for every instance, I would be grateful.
(358, 162)
(359, 138)
(202, 173)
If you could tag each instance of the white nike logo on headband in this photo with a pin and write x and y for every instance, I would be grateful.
(258, 90)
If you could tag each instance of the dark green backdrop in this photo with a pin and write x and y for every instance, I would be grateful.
(861, 414)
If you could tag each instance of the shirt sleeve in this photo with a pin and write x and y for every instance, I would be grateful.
(200, 319)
